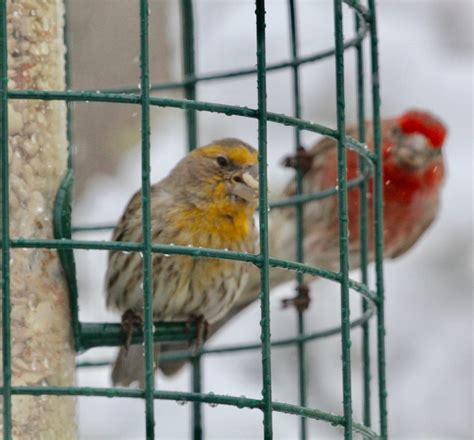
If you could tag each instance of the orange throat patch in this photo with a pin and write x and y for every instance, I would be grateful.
(220, 224)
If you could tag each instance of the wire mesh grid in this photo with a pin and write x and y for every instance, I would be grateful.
(88, 335)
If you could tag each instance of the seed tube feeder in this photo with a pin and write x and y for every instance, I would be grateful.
(37, 347)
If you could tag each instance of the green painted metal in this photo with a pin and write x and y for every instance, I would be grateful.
(263, 217)
(184, 250)
(105, 334)
(218, 399)
(299, 209)
(189, 71)
(109, 334)
(378, 208)
(228, 110)
(5, 229)
(146, 222)
(343, 223)
(196, 380)
(62, 229)
(363, 228)
(289, 201)
(88, 335)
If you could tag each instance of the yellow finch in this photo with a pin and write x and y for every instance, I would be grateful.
(207, 200)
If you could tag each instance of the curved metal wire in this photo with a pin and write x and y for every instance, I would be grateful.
(184, 397)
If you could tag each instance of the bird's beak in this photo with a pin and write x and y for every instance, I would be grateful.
(245, 183)
(415, 151)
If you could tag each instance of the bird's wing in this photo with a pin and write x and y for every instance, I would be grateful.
(418, 230)
(122, 266)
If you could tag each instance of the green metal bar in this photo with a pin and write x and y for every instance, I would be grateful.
(133, 247)
(378, 223)
(110, 334)
(184, 250)
(187, 32)
(333, 331)
(63, 201)
(219, 399)
(310, 197)
(114, 337)
(146, 222)
(5, 229)
(62, 230)
(363, 229)
(295, 70)
(75, 95)
(196, 380)
(343, 222)
(229, 110)
(93, 364)
(93, 228)
(287, 201)
(299, 208)
(263, 216)
(189, 69)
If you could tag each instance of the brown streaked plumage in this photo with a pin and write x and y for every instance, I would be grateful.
(207, 200)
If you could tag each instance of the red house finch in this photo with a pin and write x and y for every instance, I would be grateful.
(207, 200)
(413, 172)
(413, 175)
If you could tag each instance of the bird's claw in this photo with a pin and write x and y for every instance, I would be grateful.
(130, 321)
(301, 301)
(302, 160)
(202, 330)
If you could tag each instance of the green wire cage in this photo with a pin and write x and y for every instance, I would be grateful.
(89, 335)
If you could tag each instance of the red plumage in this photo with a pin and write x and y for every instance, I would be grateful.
(413, 172)
(416, 121)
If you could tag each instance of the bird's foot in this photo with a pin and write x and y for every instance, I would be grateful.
(130, 321)
(202, 330)
(301, 301)
(302, 160)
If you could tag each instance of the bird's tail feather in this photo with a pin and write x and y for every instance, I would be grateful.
(129, 366)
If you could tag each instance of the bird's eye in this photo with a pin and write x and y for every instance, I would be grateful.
(222, 161)
(396, 131)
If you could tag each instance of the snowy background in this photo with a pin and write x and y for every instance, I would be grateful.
(426, 61)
